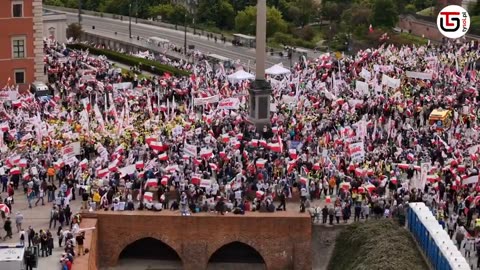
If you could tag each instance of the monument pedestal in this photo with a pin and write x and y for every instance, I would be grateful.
(260, 94)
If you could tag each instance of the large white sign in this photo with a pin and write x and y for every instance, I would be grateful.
(206, 100)
(419, 75)
(71, 150)
(122, 86)
(8, 95)
(229, 104)
(356, 151)
(190, 150)
(390, 82)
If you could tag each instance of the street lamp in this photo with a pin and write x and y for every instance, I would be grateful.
(136, 11)
(130, 20)
(185, 35)
(79, 12)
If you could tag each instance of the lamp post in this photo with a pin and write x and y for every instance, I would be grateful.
(185, 36)
(80, 12)
(136, 11)
(130, 20)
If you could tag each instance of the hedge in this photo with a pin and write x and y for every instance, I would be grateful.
(130, 60)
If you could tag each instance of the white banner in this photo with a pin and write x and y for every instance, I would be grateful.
(190, 150)
(356, 151)
(365, 74)
(362, 88)
(8, 95)
(289, 99)
(390, 82)
(229, 104)
(419, 75)
(205, 101)
(122, 86)
(71, 150)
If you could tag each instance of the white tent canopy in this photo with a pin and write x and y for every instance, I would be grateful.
(277, 69)
(240, 76)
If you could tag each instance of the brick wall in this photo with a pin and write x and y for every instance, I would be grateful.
(283, 239)
(90, 260)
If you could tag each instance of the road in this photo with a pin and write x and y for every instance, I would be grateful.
(108, 27)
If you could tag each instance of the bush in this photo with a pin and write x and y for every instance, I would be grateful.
(377, 244)
(289, 40)
(305, 33)
(130, 60)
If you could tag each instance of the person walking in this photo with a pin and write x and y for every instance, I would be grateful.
(41, 195)
(30, 235)
(53, 217)
(18, 221)
(7, 226)
(22, 237)
(283, 202)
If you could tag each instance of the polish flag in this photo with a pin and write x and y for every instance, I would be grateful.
(158, 146)
(163, 157)
(196, 178)
(236, 145)
(150, 139)
(291, 165)
(23, 163)
(102, 173)
(225, 138)
(394, 180)
(410, 157)
(112, 167)
(152, 182)
(26, 176)
(222, 154)
(15, 159)
(403, 166)
(359, 172)
(69, 194)
(119, 149)
(206, 153)
(4, 127)
(316, 166)
(370, 28)
(15, 171)
(59, 164)
(141, 175)
(303, 180)
(254, 143)
(260, 163)
(213, 166)
(83, 164)
(292, 153)
(263, 143)
(432, 178)
(197, 161)
(164, 180)
(275, 147)
(139, 165)
(259, 194)
(148, 196)
(17, 103)
(275, 130)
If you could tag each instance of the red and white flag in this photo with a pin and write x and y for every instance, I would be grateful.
(148, 196)
(152, 182)
(292, 153)
(164, 180)
(84, 163)
(139, 165)
(15, 171)
(213, 166)
(158, 146)
(163, 157)
(260, 163)
(102, 173)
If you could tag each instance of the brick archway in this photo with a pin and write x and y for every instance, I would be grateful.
(257, 246)
(130, 238)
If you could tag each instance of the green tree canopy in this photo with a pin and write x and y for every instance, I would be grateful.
(245, 21)
(384, 13)
(218, 13)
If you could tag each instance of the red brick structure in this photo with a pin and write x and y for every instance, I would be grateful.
(282, 239)
(21, 42)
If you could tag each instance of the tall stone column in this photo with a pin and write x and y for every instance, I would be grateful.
(260, 90)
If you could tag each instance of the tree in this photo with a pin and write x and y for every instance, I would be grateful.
(475, 25)
(356, 19)
(218, 13)
(331, 11)
(245, 21)
(74, 31)
(384, 13)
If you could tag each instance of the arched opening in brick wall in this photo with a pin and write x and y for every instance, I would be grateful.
(149, 252)
(236, 255)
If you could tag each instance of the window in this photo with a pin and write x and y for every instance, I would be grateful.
(19, 76)
(17, 10)
(18, 47)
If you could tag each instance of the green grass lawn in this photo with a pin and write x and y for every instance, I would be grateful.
(376, 244)
(429, 12)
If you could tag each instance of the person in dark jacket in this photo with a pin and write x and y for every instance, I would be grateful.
(7, 226)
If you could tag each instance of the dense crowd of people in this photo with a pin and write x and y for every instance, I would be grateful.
(366, 134)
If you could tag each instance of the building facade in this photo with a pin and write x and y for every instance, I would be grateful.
(55, 26)
(21, 43)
